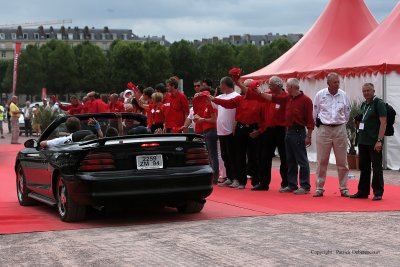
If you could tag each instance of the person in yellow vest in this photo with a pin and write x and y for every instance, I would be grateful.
(1, 120)
(15, 113)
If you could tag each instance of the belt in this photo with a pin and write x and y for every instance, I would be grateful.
(296, 127)
(332, 125)
(243, 125)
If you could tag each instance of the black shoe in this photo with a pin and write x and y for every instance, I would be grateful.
(357, 195)
(377, 198)
(260, 187)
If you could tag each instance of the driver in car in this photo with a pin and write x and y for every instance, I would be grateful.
(73, 124)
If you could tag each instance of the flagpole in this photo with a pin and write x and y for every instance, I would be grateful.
(15, 74)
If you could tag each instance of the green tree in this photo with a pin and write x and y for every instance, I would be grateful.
(31, 75)
(61, 67)
(248, 58)
(185, 65)
(3, 71)
(216, 60)
(92, 65)
(6, 77)
(128, 63)
(274, 50)
(157, 57)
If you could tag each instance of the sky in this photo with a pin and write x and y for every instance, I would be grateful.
(181, 19)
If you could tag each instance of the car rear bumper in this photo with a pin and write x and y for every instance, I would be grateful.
(165, 185)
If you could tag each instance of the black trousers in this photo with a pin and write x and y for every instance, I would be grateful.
(271, 139)
(246, 154)
(28, 127)
(227, 145)
(369, 156)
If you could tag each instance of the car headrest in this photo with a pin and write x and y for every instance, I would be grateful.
(79, 135)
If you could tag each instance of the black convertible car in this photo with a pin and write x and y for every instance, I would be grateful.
(134, 167)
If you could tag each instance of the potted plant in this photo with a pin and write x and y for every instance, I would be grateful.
(44, 117)
(352, 157)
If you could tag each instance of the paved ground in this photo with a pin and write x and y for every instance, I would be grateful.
(315, 239)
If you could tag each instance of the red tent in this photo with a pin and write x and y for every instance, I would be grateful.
(379, 52)
(342, 25)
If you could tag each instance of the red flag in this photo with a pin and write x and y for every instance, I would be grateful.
(44, 93)
(16, 55)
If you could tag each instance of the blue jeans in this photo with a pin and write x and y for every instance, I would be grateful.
(296, 155)
(211, 138)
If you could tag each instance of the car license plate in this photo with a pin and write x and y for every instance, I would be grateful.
(149, 162)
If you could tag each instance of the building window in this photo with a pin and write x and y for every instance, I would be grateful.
(253, 42)
(13, 36)
(3, 54)
(25, 36)
(2, 36)
(35, 36)
(262, 42)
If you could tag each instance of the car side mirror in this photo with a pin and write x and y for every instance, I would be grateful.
(31, 143)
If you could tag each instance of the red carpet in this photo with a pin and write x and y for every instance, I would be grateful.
(223, 203)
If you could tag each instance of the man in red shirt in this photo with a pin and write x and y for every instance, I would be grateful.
(87, 106)
(115, 105)
(249, 117)
(273, 137)
(98, 105)
(176, 106)
(205, 116)
(298, 118)
(74, 108)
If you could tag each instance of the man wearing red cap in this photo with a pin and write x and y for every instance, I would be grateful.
(176, 106)
(249, 118)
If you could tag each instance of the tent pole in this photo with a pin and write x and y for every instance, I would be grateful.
(384, 96)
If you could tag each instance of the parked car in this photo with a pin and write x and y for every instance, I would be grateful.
(21, 120)
(164, 169)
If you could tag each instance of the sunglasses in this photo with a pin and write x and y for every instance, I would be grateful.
(197, 85)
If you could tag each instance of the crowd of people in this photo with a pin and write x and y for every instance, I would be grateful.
(242, 130)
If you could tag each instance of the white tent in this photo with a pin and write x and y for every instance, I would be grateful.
(375, 59)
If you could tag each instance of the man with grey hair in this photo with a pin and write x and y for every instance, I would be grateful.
(28, 119)
(331, 113)
(371, 129)
(273, 137)
(300, 125)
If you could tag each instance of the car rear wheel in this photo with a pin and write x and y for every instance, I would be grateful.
(22, 190)
(68, 210)
(191, 206)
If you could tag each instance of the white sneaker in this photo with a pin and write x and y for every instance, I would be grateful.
(234, 184)
(226, 183)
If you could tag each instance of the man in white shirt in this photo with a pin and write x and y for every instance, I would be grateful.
(225, 129)
(73, 124)
(331, 112)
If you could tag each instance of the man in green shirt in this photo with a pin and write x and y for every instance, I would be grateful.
(371, 130)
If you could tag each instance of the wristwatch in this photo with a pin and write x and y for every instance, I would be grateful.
(380, 140)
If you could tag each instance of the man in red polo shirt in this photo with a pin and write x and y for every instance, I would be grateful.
(98, 105)
(115, 105)
(176, 106)
(74, 108)
(298, 118)
(249, 117)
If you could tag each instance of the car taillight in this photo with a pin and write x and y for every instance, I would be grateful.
(98, 162)
(150, 145)
(197, 156)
